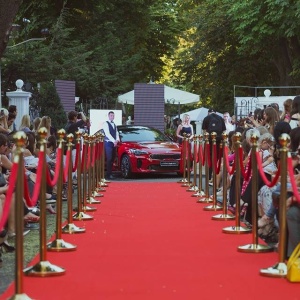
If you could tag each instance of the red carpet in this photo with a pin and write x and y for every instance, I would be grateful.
(153, 241)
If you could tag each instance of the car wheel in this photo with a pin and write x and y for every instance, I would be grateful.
(126, 166)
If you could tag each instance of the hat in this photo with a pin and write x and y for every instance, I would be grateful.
(211, 110)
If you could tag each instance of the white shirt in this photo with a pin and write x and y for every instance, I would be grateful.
(107, 133)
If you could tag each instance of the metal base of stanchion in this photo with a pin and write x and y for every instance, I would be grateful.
(60, 245)
(72, 228)
(19, 297)
(193, 188)
(204, 199)
(104, 182)
(96, 194)
(279, 270)
(199, 194)
(236, 230)
(213, 207)
(255, 248)
(82, 216)
(44, 269)
(183, 180)
(223, 217)
(100, 189)
(92, 200)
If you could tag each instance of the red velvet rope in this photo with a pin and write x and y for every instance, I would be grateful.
(229, 169)
(262, 173)
(207, 149)
(83, 155)
(292, 178)
(88, 162)
(246, 174)
(204, 155)
(196, 156)
(32, 201)
(94, 155)
(66, 168)
(10, 190)
(219, 162)
(215, 158)
(52, 182)
(74, 168)
(101, 146)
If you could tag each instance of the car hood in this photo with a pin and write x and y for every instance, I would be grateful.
(166, 146)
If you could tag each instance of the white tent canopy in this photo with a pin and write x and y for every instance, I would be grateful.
(198, 114)
(172, 95)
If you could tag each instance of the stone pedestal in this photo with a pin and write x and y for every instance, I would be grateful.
(21, 100)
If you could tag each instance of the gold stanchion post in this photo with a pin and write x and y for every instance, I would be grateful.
(70, 227)
(103, 182)
(214, 205)
(255, 247)
(20, 140)
(237, 229)
(85, 179)
(199, 192)
(43, 268)
(224, 216)
(80, 215)
(206, 198)
(97, 170)
(59, 245)
(280, 268)
(194, 187)
(91, 174)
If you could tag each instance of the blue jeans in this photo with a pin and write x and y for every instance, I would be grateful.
(110, 154)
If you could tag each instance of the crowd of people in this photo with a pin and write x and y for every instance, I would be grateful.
(267, 124)
(76, 121)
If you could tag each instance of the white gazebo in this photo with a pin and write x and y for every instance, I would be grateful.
(172, 96)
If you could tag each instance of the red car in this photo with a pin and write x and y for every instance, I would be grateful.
(146, 150)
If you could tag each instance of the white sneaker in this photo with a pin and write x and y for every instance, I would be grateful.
(279, 270)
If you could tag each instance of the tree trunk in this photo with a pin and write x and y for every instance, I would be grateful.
(8, 11)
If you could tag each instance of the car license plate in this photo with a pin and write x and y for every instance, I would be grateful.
(169, 163)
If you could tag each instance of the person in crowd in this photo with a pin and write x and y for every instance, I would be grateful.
(287, 108)
(213, 123)
(185, 128)
(295, 113)
(13, 111)
(25, 124)
(3, 121)
(228, 124)
(11, 122)
(111, 141)
(74, 124)
(46, 122)
(36, 124)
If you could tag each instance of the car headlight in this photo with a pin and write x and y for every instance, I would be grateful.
(138, 152)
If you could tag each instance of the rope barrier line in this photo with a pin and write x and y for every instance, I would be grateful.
(230, 170)
(75, 167)
(31, 201)
(220, 157)
(52, 182)
(66, 169)
(292, 178)
(245, 171)
(9, 193)
(262, 173)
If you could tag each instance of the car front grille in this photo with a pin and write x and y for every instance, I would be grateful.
(165, 156)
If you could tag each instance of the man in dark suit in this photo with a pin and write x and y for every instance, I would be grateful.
(111, 140)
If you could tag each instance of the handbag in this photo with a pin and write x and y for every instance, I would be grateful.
(293, 266)
(3, 181)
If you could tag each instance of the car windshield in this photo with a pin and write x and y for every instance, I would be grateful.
(134, 134)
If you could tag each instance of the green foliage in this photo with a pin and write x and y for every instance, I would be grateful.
(51, 105)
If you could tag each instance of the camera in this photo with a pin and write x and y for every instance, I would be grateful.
(79, 115)
(2, 112)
